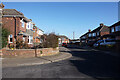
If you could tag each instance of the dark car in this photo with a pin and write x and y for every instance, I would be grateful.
(64, 44)
(90, 43)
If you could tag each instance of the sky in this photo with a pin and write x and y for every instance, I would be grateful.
(64, 18)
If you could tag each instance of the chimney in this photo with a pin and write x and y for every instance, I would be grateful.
(2, 6)
(101, 24)
(89, 30)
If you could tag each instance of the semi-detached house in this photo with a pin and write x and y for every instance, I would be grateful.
(19, 26)
(91, 37)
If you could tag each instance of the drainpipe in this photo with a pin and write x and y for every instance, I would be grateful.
(15, 36)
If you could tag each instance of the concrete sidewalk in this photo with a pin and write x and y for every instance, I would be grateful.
(15, 62)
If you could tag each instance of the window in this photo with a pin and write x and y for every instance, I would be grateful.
(112, 29)
(90, 35)
(94, 34)
(22, 23)
(62, 39)
(23, 39)
(27, 26)
(10, 38)
(117, 28)
(98, 33)
(83, 37)
(30, 39)
(31, 26)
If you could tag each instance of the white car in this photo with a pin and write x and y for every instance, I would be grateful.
(108, 42)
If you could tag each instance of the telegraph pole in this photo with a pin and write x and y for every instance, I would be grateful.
(73, 35)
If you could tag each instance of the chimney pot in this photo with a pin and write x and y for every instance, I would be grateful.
(89, 30)
(101, 24)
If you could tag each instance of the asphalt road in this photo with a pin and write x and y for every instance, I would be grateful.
(85, 63)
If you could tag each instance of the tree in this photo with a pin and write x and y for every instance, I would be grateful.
(5, 34)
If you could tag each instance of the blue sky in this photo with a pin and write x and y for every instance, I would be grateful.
(65, 17)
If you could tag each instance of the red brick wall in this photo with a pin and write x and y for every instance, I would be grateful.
(9, 24)
(103, 33)
(29, 52)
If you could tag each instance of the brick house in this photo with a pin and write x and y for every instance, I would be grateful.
(84, 38)
(37, 35)
(63, 39)
(115, 33)
(19, 26)
(91, 37)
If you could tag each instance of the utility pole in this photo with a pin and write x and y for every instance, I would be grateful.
(73, 35)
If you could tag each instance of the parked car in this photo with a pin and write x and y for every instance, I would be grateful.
(108, 42)
(97, 43)
(90, 43)
(105, 42)
(64, 44)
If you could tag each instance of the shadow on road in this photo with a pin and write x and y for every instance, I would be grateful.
(96, 64)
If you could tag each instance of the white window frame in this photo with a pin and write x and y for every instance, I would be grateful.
(9, 38)
(30, 38)
(22, 23)
(27, 26)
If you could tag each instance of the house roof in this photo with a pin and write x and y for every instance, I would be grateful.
(97, 29)
(115, 24)
(14, 12)
(84, 34)
(11, 12)
(62, 36)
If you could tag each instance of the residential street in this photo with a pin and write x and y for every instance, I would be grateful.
(85, 63)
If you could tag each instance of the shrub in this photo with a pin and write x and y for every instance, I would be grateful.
(21, 45)
(49, 41)
(5, 34)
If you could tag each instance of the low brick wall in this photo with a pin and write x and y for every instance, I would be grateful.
(29, 52)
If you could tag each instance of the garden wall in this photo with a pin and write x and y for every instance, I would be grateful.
(25, 53)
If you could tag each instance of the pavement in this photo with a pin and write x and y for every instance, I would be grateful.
(16, 62)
